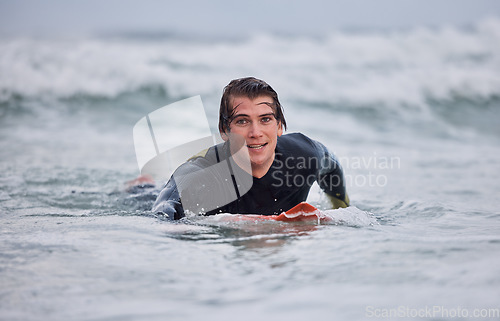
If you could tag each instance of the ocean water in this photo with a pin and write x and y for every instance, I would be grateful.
(412, 114)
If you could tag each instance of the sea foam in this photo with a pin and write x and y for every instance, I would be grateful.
(390, 68)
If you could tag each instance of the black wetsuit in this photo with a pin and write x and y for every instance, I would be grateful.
(299, 162)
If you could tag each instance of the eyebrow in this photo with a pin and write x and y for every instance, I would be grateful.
(262, 115)
(233, 112)
(261, 103)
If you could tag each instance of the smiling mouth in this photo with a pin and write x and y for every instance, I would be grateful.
(257, 146)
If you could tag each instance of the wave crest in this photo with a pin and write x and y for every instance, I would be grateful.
(387, 68)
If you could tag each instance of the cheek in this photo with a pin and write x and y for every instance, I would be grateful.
(237, 130)
(274, 133)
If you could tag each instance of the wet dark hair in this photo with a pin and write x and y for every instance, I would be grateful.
(247, 87)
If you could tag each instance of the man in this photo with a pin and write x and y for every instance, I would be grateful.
(257, 170)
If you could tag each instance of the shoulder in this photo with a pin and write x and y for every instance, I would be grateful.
(298, 143)
(206, 157)
(293, 139)
(196, 163)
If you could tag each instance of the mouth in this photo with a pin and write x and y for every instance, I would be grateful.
(256, 146)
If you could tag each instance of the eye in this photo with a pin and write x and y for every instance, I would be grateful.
(266, 119)
(241, 121)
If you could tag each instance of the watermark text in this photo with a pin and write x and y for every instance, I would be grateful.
(431, 312)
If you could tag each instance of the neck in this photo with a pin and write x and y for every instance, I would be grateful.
(259, 170)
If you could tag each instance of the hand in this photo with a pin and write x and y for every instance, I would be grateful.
(170, 209)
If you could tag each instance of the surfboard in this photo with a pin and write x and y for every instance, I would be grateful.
(302, 212)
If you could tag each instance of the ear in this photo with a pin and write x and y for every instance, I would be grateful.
(280, 129)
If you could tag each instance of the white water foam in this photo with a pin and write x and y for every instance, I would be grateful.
(351, 216)
(392, 68)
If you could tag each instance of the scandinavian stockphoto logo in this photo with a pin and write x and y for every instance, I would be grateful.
(169, 136)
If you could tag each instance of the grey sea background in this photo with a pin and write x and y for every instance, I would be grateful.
(408, 99)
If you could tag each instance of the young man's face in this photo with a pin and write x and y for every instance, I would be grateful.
(254, 121)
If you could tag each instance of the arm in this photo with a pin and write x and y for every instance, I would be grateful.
(168, 202)
(193, 187)
(331, 178)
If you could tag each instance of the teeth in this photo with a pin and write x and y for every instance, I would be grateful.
(257, 146)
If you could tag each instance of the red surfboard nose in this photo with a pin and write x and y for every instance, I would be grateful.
(302, 208)
(300, 212)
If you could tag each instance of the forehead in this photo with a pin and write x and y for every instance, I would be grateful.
(243, 104)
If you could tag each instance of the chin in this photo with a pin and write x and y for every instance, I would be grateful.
(260, 162)
(257, 162)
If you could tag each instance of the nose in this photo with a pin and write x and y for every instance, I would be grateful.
(255, 130)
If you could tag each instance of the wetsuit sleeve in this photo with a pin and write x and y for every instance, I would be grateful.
(331, 177)
(168, 202)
